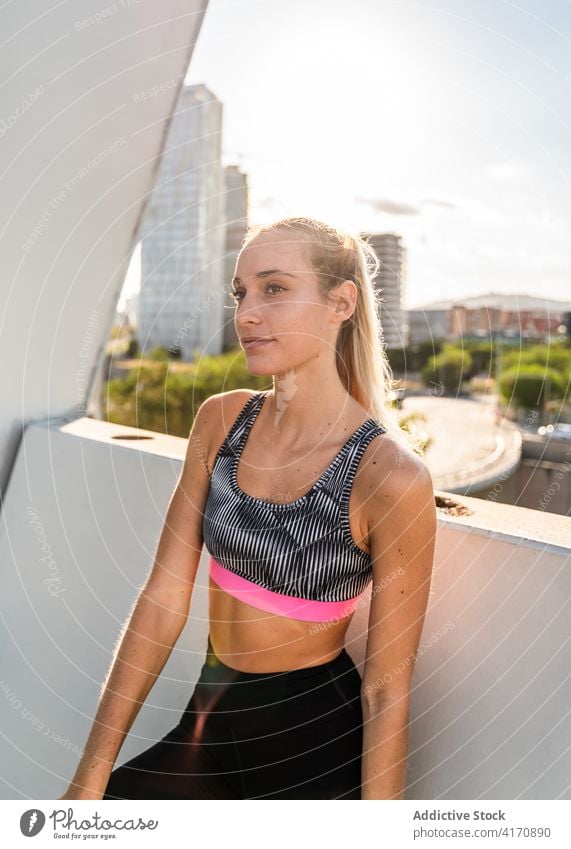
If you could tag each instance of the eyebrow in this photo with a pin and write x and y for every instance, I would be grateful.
(263, 274)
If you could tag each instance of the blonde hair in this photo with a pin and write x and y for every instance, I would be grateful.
(362, 362)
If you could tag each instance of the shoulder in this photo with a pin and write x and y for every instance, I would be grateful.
(215, 417)
(391, 476)
(222, 405)
(396, 496)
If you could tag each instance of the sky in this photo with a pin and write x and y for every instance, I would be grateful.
(446, 121)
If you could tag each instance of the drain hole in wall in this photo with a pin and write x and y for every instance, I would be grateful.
(129, 436)
(454, 508)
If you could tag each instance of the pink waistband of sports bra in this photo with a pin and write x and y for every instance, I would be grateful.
(283, 605)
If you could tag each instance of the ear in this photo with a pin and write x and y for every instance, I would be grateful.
(345, 295)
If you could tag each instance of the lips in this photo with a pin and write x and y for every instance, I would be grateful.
(255, 343)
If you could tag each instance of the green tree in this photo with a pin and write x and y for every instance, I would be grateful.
(448, 368)
(154, 397)
(531, 386)
(548, 356)
(133, 349)
(158, 354)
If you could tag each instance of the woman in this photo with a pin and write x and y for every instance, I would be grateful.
(302, 496)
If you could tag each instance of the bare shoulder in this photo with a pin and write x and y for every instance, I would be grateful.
(389, 472)
(222, 405)
(222, 409)
(215, 417)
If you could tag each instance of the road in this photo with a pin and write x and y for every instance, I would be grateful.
(468, 445)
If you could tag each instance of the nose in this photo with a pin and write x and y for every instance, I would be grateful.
(247, 314)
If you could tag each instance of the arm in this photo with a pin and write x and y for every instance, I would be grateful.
(157, 618)
(402, 541)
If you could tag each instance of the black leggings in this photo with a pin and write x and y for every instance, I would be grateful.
(266, 735)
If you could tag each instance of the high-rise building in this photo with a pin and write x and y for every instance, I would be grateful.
(391, 282)
(236, 226)
(181, 304)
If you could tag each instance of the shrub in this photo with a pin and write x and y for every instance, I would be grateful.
(531, 386)
(449, 368)
(157, 396)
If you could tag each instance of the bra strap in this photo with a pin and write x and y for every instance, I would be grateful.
(236, 436)
(342, 481)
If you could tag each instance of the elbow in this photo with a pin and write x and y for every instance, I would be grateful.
(165, 611)
(377, 701)
(172, 599)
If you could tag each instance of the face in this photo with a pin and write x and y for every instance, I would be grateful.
(277, 299)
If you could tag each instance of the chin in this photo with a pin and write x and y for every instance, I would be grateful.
(258, 364)
(260, 368)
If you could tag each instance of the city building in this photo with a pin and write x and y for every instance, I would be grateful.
(427, 325)
(391, 280)
(236, 226)
(511, 316)
(183, 235)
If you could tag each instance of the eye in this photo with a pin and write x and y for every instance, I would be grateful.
(237, 294)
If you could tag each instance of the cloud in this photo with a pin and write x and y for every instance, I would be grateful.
(393, 207)
(437, 202)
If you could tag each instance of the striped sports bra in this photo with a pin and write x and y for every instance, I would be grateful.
(296, 559)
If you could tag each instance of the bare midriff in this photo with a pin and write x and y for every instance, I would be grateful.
(253, 640)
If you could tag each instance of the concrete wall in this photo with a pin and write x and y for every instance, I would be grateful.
(88, 91)
(489, 709)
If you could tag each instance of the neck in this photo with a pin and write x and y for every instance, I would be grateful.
(298, 408)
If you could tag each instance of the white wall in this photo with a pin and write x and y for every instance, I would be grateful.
(84, 105)
(491, 690)
(81, 522)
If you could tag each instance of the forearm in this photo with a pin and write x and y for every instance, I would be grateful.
(385, 749)
(143, 649)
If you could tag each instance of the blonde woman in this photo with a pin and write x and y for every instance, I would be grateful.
(303, 495)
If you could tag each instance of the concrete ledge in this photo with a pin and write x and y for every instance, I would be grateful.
(489, 704)
(534, 528)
